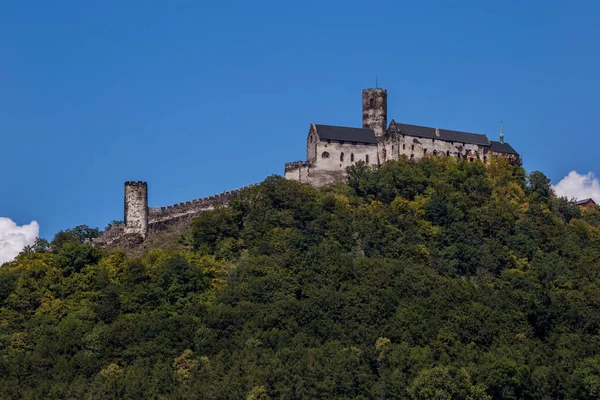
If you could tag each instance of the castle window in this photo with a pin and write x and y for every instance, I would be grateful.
(448, 153)
(435, 152)
(484, 158)
(367, 158)
(352, 157)
(371, 102)
(403, 147)
(424, 151)
(342, 156)
(311, 139)
(412, 147)
(325, 154)
(412, 156)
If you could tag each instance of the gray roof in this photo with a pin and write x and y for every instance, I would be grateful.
(498, 147)
(345, 134)
(580, 202)
(444, 134)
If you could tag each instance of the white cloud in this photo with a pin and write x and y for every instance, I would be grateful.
(579, 186)
(14, 238)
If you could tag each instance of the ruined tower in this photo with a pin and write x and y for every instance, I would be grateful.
(374, 108)
(136, 208)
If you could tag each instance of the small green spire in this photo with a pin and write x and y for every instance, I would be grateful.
(501, 133)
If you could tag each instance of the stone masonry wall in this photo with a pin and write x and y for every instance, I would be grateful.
(374, 106)
(136, 208)
(192, 207)
(417, 148)
(141, 221)
(330, 162)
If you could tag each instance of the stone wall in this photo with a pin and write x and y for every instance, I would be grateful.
(139, 222)
(192, 207)
(374, 106)
(416, 148)
(330, 162)
(136, 208)
(297, 171)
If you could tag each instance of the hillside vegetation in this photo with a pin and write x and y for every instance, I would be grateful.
(440, 279)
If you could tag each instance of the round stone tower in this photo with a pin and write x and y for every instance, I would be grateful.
(374, 107)
(136, 208)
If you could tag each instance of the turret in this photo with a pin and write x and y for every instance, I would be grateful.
(136, 208)
(374, 107)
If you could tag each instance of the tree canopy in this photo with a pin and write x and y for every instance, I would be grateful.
(437, 279)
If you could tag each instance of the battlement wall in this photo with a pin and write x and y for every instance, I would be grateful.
(377, 90)
(141, 219)
(297, 170)
(192, 207)
(294, 165)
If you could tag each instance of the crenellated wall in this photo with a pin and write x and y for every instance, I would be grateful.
(297, 170)
(192, 207)
(153, 219)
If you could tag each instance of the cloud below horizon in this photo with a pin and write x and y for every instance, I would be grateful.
(13, 238)
(578, 186)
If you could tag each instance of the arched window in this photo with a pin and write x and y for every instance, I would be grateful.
(412, 147)
(448, 153)
(424, 151)
(342, 156)
(351, 157)
(325, 154)
(403, 147)
(311, 139)
(367, 158)
(371, 102)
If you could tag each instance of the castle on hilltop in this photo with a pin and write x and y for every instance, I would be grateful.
(331, 149)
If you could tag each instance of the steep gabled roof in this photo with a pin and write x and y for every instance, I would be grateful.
(498, 147)
(444, 134)
(582, 202)
(345, 134)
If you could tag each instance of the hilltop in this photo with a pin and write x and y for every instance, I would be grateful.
(436, 279)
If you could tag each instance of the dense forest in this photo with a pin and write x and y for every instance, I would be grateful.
(437, 279)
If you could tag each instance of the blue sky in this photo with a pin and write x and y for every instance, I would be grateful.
(199, 97)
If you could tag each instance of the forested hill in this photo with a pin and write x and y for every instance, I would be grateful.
(440, 279)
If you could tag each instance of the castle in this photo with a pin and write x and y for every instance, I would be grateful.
(329, 151)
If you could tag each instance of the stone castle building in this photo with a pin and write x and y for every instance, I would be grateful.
(331, 149)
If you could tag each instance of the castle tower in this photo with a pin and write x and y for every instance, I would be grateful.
(374, 108)
(136, 208)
